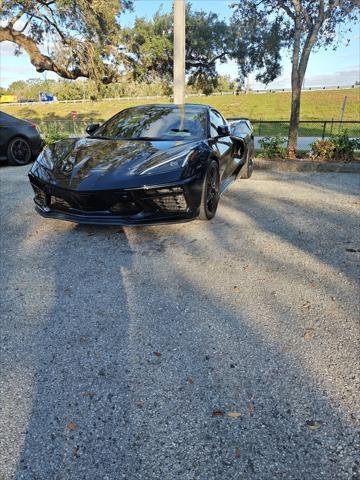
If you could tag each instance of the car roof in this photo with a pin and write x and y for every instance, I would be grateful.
(5, 117)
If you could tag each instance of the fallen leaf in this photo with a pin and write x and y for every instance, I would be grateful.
(71, 425)
(233, 414)
(307, 305)
(218, 413)
(237, 452)
(190, 381)
(75, 452)
(88, 394)
(309, 334)
(285, 349)
(312, 425)
(157, 354)
(251, 408)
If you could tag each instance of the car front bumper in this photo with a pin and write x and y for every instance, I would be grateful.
(151, 204)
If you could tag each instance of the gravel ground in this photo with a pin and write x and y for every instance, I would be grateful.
(222, 350)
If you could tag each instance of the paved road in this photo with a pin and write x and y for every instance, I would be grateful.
(128, 353)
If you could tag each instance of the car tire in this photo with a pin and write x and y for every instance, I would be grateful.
(211, 192)
(248, 167)
(19, 151)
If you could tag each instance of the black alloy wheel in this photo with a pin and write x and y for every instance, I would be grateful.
(210, 194)
(248, 167)
(18, 151)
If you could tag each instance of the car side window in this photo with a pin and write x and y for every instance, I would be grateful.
(216, 120)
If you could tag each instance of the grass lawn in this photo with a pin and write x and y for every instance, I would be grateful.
(315, 105)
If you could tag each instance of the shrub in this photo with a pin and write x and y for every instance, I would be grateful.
(53, 131)
(322, 150)
(345, 146)
(53, 136)
(337, 148)
(273, 147)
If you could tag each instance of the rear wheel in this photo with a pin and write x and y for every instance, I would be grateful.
(18, 151)
(210, 193)
(247, 169)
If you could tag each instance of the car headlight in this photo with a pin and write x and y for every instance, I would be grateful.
(44, 159)
(172, 163)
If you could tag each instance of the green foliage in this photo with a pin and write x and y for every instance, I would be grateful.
(322, 150)
(337, 148)
(345, 146)
(52, 136)
(209, 41)
(85, 35)
(273, 147)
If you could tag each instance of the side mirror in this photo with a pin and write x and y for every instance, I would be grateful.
(90, 129)
(223, 131)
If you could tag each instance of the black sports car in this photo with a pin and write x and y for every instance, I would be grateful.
(20, 142)
(147, 164)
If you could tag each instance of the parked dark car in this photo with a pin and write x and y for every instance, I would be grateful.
(147, 164)
(20, 141)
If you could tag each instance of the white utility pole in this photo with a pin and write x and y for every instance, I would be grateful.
(179, 51)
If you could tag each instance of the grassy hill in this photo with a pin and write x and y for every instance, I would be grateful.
(316, 105)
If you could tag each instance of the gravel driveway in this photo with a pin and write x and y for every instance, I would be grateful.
(225, 350)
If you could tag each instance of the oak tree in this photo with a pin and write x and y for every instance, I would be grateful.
(301, 25)
(73, 38)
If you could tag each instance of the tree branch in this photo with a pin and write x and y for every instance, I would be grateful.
(16, 17)
(40, 61)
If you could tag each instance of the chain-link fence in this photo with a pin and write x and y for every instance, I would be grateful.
(309, 130)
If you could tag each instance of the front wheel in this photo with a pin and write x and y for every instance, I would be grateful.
(18, 151)
(248, 167)
(210, 193)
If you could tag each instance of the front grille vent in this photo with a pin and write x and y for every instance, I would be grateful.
(40, 196)
(171, 203)
(60, 203)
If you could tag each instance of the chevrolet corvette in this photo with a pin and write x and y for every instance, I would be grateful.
(147, 164)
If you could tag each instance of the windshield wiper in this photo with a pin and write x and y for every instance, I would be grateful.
(180, 130)
(100, 137)
(136, 138)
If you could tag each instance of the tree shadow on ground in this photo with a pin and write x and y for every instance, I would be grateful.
(136, 345)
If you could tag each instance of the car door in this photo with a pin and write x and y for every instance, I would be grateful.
(223, 145)
(4, 134)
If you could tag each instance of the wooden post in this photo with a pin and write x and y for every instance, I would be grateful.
(179, 51)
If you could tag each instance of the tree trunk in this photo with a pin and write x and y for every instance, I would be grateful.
(294, 119)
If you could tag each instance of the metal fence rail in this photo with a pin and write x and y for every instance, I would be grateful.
(188, 95)
(307, 128)
(262, 128)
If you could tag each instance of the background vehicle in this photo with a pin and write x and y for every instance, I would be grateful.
(8, 98)
(147, 164)
(20, 141)
(46, 97)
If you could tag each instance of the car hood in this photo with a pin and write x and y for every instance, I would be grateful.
(95, 164)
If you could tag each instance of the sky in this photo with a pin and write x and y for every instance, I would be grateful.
(325, 68)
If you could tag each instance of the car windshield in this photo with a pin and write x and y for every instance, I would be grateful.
(156, 122)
